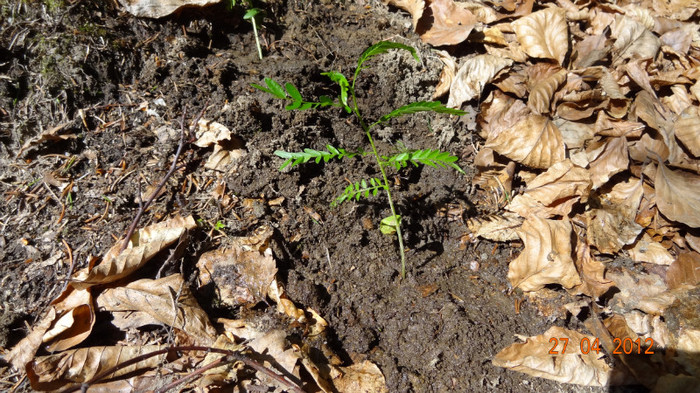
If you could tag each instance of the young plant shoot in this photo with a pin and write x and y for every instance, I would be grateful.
(347, 100)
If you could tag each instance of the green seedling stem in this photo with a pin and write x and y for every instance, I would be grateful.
(363, 188)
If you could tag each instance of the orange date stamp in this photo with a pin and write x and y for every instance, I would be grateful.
(625, 346)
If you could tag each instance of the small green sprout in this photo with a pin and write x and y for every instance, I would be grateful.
(347, 100)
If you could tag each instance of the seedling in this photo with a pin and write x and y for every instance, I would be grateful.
(252, 14)
(347, 100)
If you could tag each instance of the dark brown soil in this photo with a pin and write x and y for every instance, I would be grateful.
(111, 82)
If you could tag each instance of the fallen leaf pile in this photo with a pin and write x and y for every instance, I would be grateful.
(243, 274)
(591, 123)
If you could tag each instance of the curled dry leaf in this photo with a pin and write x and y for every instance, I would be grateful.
(685, 270)
(75, 317)
(450, 23)
(542, 91)
(544, 34)
(687, 130)
(647, 250)
(546, 258)
(645, 292)
(608, 230)
(607, 160)
(606, 126)
(497, 227)
(500, 112)
(678, 196)
(534, 141)
(168, 300)
(553, 192)
(594, 284)
(143, 246)
(360, 377)
(413, 7)
(447, 75)
(533, 357)
(81, 365)
(227, 148)
(159, 8)
(24, 351)
(472, 76)
(633, 40)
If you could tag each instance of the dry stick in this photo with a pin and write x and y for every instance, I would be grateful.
(229, 354)
(155, 193)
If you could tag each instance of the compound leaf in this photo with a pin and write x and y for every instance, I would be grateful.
(420, 106)
(430, 157)
(340, 79)
(302, 157)
(273, 88)
(382, 47)
(360, 189)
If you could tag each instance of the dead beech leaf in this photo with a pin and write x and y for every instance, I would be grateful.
(168, 300)
(605, 126)
(633, 40)
(81, 365)
(472, 76)
(594, 283)
(534, 141)
(447, 75)
(240, 277)
(48, 135)
(496, 227)
(553, 192)
(688, 348)
(413, 7)
(227, 148)
(646, 292)
(546, 258)
(543, 90)
(610, 86)
(678, 195)
(360, 377)
(685, 270)
(500, 112)
(687, 130)
(533, 357)
(608, 230)
(75, 317)
(647, 250)
(574, 134)
(159, 8)
(589, 50)
(143, 246)
(24, 351)
(450, 24)
(607, 160)
(544, 34)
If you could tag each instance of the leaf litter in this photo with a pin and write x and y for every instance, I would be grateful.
(597, 106)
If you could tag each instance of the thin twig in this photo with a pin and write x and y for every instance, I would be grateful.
(155, 193)
(291, 386)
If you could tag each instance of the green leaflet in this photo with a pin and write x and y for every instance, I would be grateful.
(420, 106)
(434, 158)
(360, 189)
(302, 157)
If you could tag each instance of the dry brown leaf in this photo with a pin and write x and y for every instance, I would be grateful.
(160, 8)
(589, 50)
(47, 135)
(534, 141)
(273, 344)
(546, 258)
(544, 34)
(553, 192)
(500, 112)
(75, 317)
(592, 272)
(633, 40)
(513, 81)
(610, 86)
(608, 230)
(688, 348)
(542, 91)
(496, 227)
(143, 246)
(24, 351)
(606, 126)
(240, 277)
(685, 270)
(678, 195)
(574, 134)
(228, 149)
(647, 250)
(81, 365)
(637, 71)
(449, 23)
(646, 292)
(472, 76)
(413, 7)
(360, 377)
(314, 323)
(607, 160)
(168, 300)
(533, 357)
(687, 130)
(447, 75)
